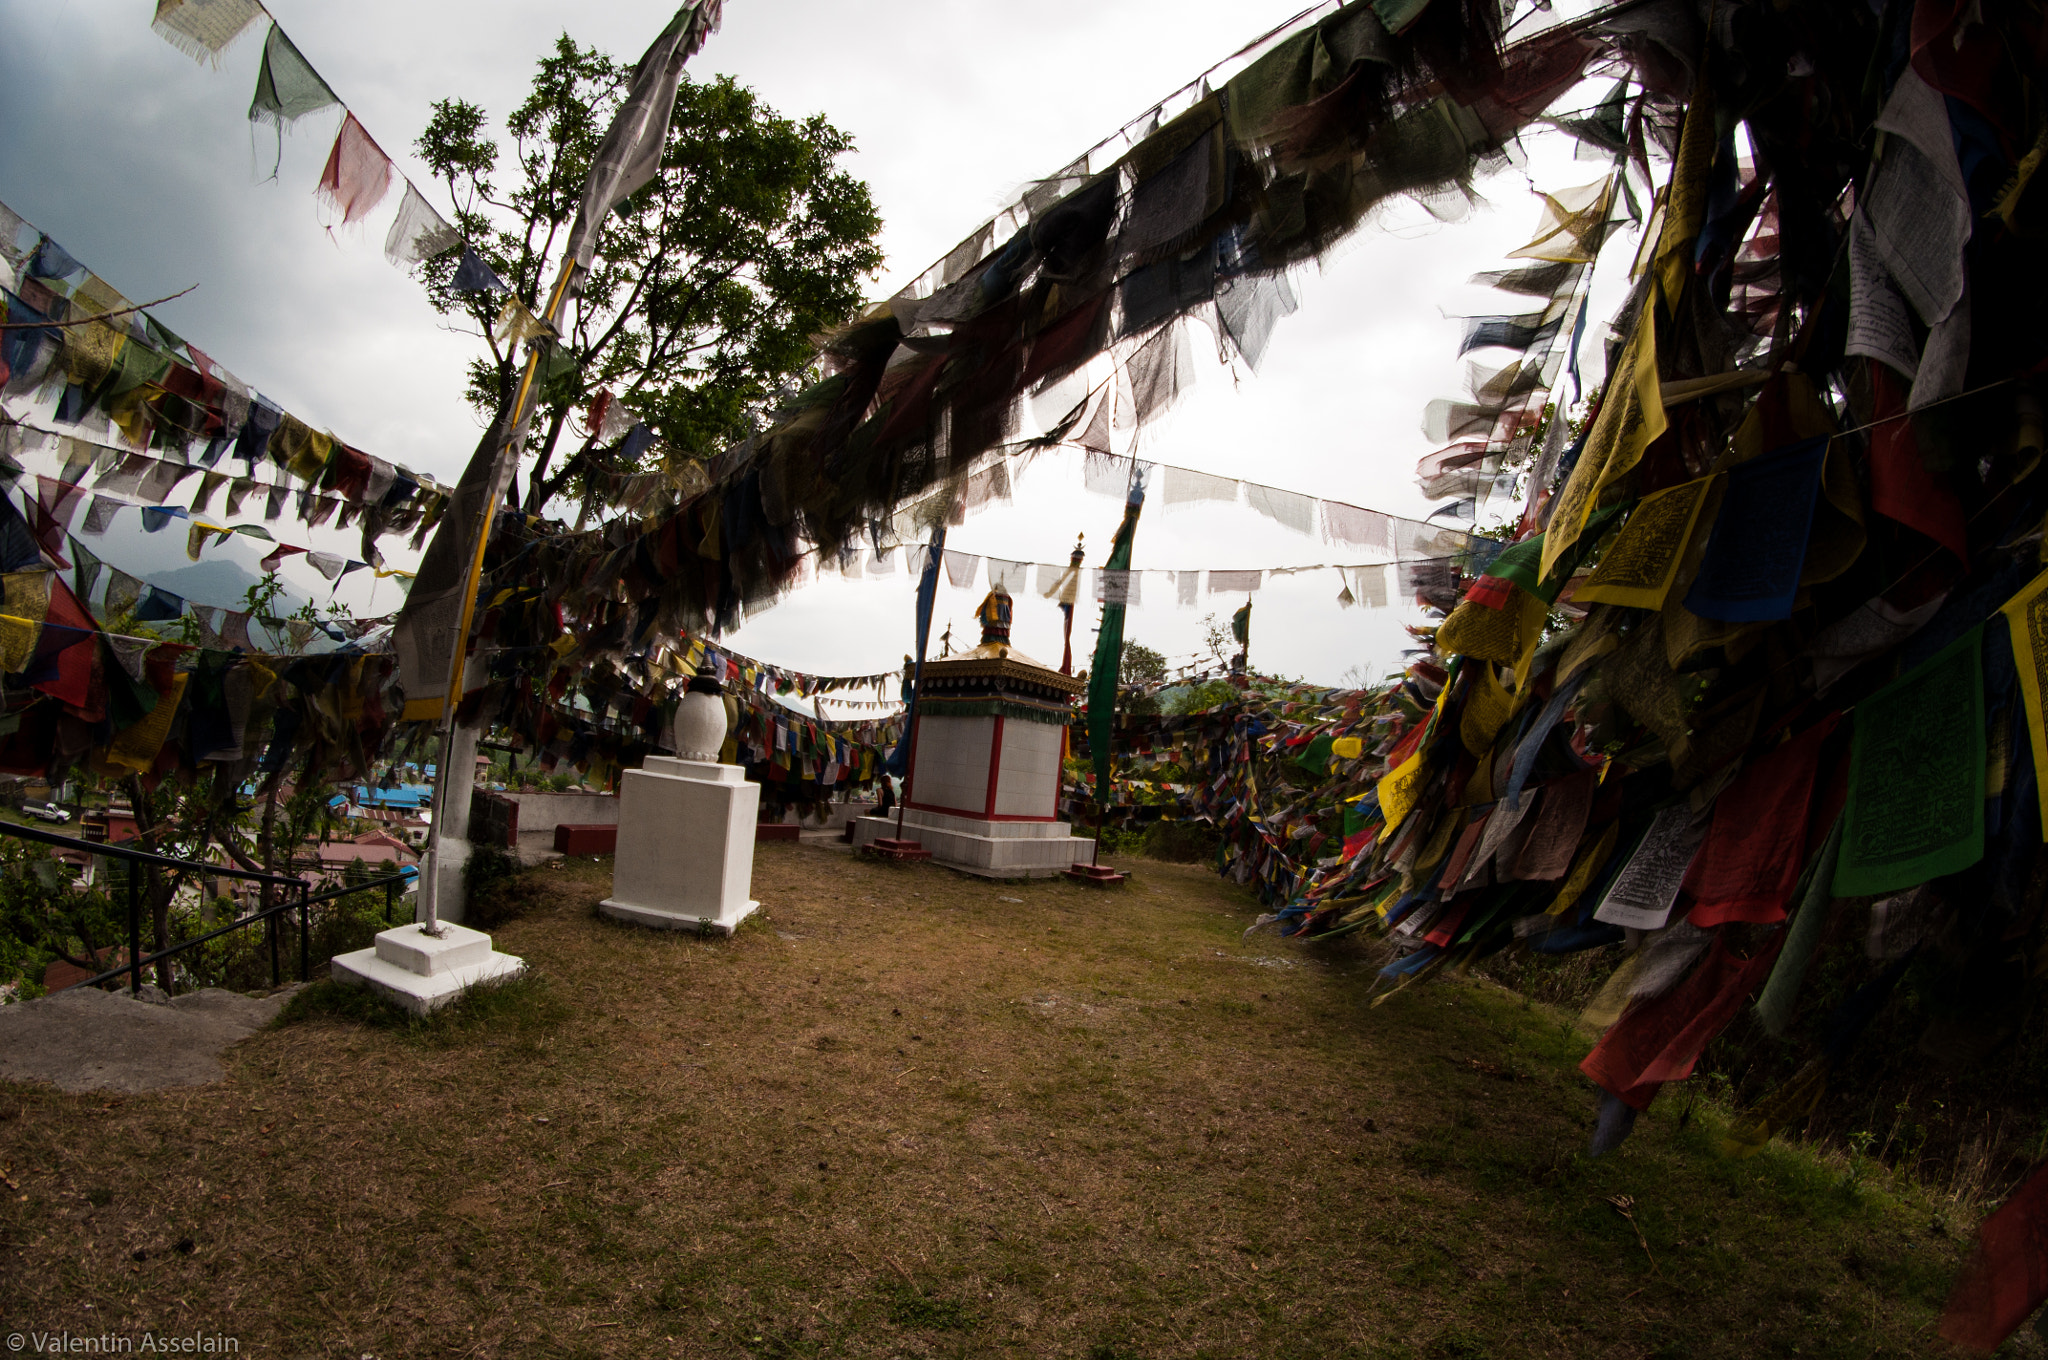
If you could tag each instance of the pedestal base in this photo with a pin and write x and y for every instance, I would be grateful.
(887, 847)
(1095, 875)
(686, 847)
(421, 972)
(657, 919)
(988, 849)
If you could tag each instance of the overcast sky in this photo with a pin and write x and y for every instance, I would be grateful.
(143, 164)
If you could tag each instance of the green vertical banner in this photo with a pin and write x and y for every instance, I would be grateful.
(1109, 643)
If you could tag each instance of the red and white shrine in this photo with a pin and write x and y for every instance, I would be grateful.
(982, 794)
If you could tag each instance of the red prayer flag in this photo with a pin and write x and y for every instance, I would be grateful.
(67, 654)
(358, 173)
(1491, 591)
(1660, 1039)
(1749, 864)
(2007, 1277)
(1901, 487)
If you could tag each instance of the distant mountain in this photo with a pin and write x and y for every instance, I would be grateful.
(221, 582)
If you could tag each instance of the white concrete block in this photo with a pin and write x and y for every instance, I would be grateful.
(410, 948)
(421, 973)
(685, 857)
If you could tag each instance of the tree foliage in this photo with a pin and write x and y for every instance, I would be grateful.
(709, 283)
(1140, 665)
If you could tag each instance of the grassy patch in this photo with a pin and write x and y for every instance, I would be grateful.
(520, 1006)
(908, 1113)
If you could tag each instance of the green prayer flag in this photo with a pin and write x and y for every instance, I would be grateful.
(287, 86)
(1916, 776)
(1316, 758)
(1109, 648)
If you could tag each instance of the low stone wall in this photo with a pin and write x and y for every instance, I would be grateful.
(546, 811)
(835, 820)
(493, 819)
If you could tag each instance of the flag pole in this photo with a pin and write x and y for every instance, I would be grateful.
(627, 158)
(508, 454)
(928, 580)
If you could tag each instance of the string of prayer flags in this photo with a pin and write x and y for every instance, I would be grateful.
(1916, 776)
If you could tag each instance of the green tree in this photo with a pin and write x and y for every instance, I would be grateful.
(1140, 665)
(708, 284)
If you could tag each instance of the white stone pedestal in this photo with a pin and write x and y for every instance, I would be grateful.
(421, 972)
(686, 846)
(988, 849)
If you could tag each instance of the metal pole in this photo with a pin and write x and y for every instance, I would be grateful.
(910, 753)
(305, 940)
(134, 935)
(430, 858)
(500, 473)
(270, 926)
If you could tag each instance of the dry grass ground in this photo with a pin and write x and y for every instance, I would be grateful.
(908, 1113)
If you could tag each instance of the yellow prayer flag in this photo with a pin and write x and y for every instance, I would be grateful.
(1638, 568)
(1347, 748)
(135, 748)
(1485, 634)
(1631, 416)
(1487, 707)
(17, 643)
(1401, 787)
(1589, 863)
(2027, 615)
(1686, 200)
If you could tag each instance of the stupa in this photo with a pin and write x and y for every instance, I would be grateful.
(982, 794)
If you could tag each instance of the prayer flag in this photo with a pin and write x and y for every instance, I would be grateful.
(358, 173)
(1639, 567)
(1659, 1040)
(203, 29)
(1749, 865)
(1916, 776)
(630, 153)
(2007, 1277)
(1758, 547)
(287, 86)
(1643, 893)
(2026, 614)
(1109, 645)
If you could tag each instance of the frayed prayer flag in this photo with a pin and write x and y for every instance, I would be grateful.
(203, 29)
(358, 173)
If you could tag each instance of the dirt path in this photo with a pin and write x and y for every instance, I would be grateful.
(907, 1113)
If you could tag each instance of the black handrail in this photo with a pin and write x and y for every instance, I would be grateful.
(304, 901)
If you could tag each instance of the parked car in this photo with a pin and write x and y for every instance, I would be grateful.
(47, 812)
